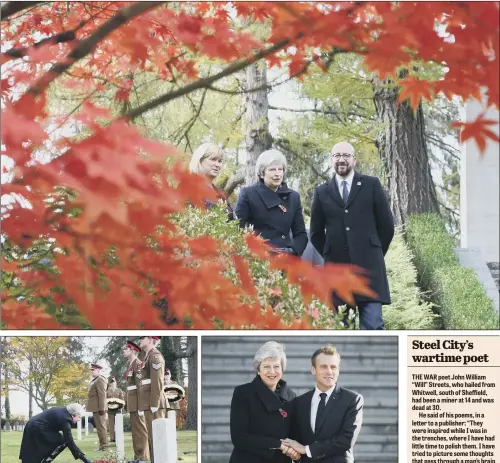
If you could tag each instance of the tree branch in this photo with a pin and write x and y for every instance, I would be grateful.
(87, 45)
(272, 85)
(286, 147)
(195, 116)
(11, 8)
(66, 36)
(207, 81)
(231, 69)
(235, 180)
(451, 211)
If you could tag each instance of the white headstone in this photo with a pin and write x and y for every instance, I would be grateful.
(165, 440)
(79, 429)
(7, 427)
(86, 425)
(119, 436)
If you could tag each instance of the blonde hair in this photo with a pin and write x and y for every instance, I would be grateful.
(202, 152)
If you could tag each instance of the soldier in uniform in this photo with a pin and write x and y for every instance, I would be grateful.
(152, 398)
(173, 391)
(96, 403)
(137, 419)
(116, 401)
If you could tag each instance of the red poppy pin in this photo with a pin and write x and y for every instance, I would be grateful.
(283, 208)
(284, 414)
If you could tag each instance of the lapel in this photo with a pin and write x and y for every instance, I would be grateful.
(306, 411)
(357, 184)
(334, 191)
(330, 406)
(270, 198)
(267, 397)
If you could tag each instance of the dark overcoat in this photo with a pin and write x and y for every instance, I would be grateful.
(358, 233)
(42, 434)
(259, 419)
(338, 430)
(273, 214)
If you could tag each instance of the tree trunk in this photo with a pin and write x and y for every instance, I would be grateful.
(4, 349)
(257, 137)
(192, 349)
(403, 152)
(30, 393)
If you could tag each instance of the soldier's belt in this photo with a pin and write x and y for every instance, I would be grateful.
(131, 388)
(145, 381)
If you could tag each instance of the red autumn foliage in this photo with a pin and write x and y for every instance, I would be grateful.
(117, 178)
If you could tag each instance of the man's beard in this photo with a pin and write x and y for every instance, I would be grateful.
(345, 172)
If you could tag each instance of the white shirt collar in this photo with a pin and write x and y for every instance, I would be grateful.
(348, 179)
(317, 392)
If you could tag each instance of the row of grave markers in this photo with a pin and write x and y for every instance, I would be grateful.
(14, 427)
(164, 437)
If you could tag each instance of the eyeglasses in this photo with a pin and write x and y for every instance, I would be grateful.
(343, 155)
(269, 367)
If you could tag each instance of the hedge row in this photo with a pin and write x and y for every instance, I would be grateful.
(456, 290)
(408, 310)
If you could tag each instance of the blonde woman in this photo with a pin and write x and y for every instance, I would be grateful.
(207, 160)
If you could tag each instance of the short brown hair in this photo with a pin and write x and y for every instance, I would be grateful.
(327, 350)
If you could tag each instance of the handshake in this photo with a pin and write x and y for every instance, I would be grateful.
(292, 449)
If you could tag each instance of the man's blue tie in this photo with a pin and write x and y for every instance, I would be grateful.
(345, 193)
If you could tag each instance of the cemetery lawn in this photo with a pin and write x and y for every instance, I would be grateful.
(11, 443)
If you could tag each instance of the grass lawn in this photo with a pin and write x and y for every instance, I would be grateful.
(11, 443)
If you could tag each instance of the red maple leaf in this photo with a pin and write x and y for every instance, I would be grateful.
(478, 130)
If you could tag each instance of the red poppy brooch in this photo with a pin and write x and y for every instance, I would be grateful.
(284, 414)
(283, 208)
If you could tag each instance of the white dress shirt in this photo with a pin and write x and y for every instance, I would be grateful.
(314, 408)
(348, 179)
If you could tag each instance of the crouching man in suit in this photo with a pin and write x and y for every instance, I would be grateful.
(327, 420)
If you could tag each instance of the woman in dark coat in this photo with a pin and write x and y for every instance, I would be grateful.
(207, 160)
(273, 209)
(261, 411)
(42, 438)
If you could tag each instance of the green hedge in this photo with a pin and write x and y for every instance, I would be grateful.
(457, 292)
(408, 311)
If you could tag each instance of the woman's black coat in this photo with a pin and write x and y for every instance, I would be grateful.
(273, 215)
(42, 435)
(259, 419)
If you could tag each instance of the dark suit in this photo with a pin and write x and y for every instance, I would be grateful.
(273, 215)
(258, 422)
(358, 233)
(338, 430)
(42, 435)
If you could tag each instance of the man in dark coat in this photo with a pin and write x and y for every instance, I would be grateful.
(326, 420)
(351, 223)
(42, 438)
(273, 209)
